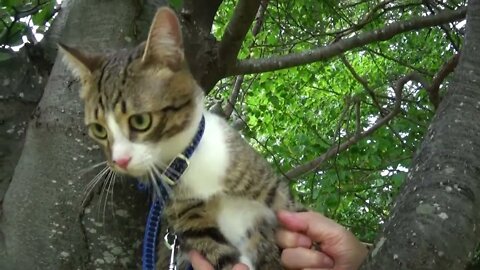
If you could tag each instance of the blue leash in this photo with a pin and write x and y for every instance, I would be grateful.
(152, 226)
(150, 238)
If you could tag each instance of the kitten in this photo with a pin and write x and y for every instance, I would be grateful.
(143, 107)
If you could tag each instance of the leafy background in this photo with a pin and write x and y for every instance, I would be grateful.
(295, 115)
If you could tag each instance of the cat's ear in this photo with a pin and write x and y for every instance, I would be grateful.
(81, 64)
(164, 43)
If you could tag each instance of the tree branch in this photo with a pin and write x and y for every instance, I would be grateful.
(445, 70)
(373, 96)
(429, 5)
(200, 45)
(237, 28)
(336, 148)
(202, 11)
(259, 18)
(366, 19)
(363, 82)
(397, 61)
(233, 96)
(322, 53)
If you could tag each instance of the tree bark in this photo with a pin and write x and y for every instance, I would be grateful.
(434, 223)
(43, 223)
(21, 87)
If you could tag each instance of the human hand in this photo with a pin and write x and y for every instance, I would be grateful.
(339, 249)
(200, 263)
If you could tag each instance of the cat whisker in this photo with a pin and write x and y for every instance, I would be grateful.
(108, 184)
(91, 185)
(166, 186)
(157, 193)
(94, 181)
(84, 171)
(113, 188)
(104, 186)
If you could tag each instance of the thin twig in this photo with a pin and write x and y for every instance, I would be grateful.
(335, 149)
(295, 59)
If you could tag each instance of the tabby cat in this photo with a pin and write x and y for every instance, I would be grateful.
(143, 107)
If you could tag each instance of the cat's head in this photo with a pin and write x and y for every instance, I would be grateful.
(141, 105)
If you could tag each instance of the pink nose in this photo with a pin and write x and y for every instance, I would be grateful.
(123, 162)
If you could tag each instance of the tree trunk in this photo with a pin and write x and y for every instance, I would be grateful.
(434, 223)
(43, 223)
(21, 87)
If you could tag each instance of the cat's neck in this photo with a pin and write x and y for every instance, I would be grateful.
(177, 144)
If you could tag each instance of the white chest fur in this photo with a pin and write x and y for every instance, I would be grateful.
(204, 178)
(209, 163)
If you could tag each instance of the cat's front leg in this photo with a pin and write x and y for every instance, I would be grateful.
(261, 245)
(195, 223)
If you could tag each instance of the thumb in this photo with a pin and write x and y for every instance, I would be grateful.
(316, 226)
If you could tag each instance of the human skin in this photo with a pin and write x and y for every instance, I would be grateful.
(336, 248)
(310, 241)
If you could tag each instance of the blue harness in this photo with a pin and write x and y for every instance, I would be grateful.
(173, 173)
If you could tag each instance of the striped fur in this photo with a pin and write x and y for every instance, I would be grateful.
(224, 205)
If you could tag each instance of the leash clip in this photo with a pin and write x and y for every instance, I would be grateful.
(172, 244)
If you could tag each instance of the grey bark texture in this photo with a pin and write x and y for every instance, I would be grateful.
(43, 225)
(434, 223)
(21, 87)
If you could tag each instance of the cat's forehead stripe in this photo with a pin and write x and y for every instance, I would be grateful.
(116, 100)
(100, 102)
(99, 82)
(130, 58)
(123, 106)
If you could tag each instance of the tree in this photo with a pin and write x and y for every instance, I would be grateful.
(50, 230)
(337, 95)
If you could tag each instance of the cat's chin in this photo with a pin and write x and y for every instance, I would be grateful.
(132, 172)
(136, 173)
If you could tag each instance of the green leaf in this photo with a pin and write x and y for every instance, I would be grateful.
(398, 179)
(332, 200)
(176, 4)
(16, 33)
(9, 3)
(44, 14)
(4, 56)
(275, 101)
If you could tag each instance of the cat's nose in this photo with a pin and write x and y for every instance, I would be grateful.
(123, 162)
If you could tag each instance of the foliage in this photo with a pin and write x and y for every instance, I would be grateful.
(297, 114)
(18, 17)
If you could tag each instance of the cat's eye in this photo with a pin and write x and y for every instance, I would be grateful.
(98, 131)
(140, 122)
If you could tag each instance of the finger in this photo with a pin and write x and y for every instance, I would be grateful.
(314, 225)
(300, 258)
(199, 262)
(288, 239)
(240, 266)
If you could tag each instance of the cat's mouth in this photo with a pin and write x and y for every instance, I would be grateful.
(133, 171)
